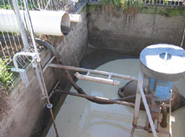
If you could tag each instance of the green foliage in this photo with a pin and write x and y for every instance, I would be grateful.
(5, 4)
(128, 6)
(6, 77)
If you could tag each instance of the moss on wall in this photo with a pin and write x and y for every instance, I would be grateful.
(160, 10)
(165, 11)
(94, 7)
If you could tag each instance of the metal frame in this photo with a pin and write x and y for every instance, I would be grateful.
(139, 95)
(36, 61)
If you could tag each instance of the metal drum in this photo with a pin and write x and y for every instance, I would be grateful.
(163, 64)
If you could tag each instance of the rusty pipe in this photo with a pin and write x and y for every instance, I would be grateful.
(95, 98)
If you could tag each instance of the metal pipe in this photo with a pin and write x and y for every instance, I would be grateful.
(75, 18)
(39, 67)
(49, 105)
(93, 71)
(20, 24)
(30, 26)
(53, 90)
(33, 55)
(95, 98)
(147, 111)
(182, 42)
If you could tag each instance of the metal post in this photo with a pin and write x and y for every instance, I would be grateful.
(43, 87)
(38, 67)
(170, 120)
(137, 103)
(140, 94)
(20, 23)
(183, 38)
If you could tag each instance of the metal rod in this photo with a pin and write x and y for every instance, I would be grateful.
(97, 79)
(96, 98)
(183, 38)
(147, 110)
(20, 23)
(53, 90)
(93, 71)
(140, 94)
(31, 30)
(47, 97)
(137, 104)
(45, 67)
(160, 131)
(170, 120)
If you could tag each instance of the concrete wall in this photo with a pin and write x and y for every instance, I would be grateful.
(27, 106)
(116, 31)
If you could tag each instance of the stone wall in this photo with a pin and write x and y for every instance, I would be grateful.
(129, 35)
(27, 107)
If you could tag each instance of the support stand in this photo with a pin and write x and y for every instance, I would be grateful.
(140, 94)
(151, 114)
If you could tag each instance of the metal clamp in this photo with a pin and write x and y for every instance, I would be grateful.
(23, 75)
(49, 106)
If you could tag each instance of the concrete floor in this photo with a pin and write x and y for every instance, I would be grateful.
(81, 118)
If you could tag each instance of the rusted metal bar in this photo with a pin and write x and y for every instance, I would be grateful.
(53, 90)
(49, 105)
(107, 100)
(45, 67)
(160, 131)
(104, 73)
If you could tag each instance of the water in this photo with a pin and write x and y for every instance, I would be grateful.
(81, 118)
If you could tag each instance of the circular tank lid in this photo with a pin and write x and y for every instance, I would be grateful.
(163, 62)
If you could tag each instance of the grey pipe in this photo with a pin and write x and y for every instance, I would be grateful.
(20, 23)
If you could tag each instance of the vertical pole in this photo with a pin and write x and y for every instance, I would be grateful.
(21, 24)
(140, 94)
(183, 38)
(140, 84)
(137, 103)
(170, 120)
(43, 87)
(39, 71)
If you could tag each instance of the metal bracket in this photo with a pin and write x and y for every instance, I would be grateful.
(22, 72)
(23, 75)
